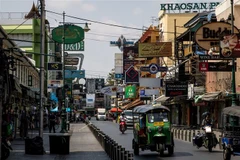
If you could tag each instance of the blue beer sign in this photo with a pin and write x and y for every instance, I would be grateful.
(74, 73)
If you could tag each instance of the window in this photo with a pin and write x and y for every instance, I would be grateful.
(158, 117)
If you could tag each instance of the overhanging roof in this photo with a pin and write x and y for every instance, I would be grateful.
(233, 111)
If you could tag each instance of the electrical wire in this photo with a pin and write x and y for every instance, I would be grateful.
(18, 26)
(108, 24)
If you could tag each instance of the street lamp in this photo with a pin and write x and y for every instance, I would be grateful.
(63, 110)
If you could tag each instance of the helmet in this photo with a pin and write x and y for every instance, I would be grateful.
(122, 113)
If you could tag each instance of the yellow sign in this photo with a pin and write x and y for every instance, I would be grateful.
(158, 124)
(161, 49)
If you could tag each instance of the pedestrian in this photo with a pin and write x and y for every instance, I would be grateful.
(24, 124)
(52, 121)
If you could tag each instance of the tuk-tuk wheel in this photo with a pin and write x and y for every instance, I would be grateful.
(170, 150)
(226, 154)
(161, 149)
(136, 148)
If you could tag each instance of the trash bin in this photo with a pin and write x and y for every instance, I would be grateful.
(34, 146)
(59, 143)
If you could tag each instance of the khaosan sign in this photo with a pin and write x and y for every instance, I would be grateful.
(71, 34)
(160, 49)
(208, 35)
(130, 92)
(189, 6)
(230, 46)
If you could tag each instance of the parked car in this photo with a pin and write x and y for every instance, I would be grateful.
(129, 117)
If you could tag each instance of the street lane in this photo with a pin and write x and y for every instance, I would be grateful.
(183, 150)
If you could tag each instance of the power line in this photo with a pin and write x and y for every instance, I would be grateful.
(18, 26)
(108, 24)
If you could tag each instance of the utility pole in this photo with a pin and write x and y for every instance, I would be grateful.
(63, 110)
(1, 91)
(233, 61)
(42, 50)
(175, 46)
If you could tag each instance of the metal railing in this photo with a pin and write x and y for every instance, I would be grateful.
(111, 147)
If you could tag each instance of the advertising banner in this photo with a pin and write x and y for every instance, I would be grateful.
(230, 46)
(160, 49)
(111, 90)
(215, 67)
(129, 55)
(208, 35)
(176, 88)
(90, 100)
(130, 92)
(75, 74)
(55, 66)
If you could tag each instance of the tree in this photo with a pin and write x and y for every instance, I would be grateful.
(110, 79)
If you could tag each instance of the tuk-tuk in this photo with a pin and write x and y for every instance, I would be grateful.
(152, 130)
(231, 132)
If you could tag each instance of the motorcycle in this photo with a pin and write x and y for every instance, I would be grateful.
(6, 147)
(208, 139)
(122, 126)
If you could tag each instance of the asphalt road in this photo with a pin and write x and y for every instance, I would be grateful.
(182, 151)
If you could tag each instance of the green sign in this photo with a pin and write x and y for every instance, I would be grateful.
(72, 34)
(79, 46)
(130, 92)
(189, 6)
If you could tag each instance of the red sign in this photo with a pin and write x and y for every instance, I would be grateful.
(203, 66)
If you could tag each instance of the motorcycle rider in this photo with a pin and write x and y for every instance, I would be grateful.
(208, 122)
(122, 118)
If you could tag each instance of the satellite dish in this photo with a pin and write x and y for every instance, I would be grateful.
(82, 81)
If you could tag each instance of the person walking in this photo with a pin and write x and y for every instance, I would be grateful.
(52, 121)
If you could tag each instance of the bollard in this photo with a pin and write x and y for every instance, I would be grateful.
(220, 143)
(189, 136)
(122, 154)
(130, 156)
(182, 134)
(115, 151)
(126, 155)
(118, 152)
(186, 135)
(178, 134)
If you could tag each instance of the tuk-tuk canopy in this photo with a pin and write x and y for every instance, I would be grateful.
(233, 111)
(148, 107)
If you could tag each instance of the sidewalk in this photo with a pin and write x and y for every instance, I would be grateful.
(83, 146)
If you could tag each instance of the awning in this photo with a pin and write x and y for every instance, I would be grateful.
(115, 110)
(233, 111)
(161, 99)
(211, 96)
(133, 104)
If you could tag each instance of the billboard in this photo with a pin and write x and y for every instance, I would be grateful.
(129, 55)
(176, 88)
(130, 92)
(214, 67)
(207, 36)
(90, 84)
(230, 46)
(159, 49)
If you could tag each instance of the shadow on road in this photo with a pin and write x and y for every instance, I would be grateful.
(156, 155)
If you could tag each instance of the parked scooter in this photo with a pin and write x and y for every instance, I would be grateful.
(6, 147)
(89, 117)
(122, 126)
(208, 140)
